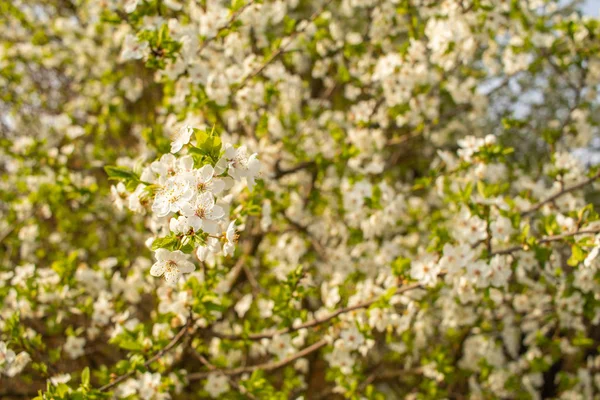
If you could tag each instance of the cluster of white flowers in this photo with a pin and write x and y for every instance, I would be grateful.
(193, 200)
(146, 387)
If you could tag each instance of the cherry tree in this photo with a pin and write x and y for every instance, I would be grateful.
(299, 199)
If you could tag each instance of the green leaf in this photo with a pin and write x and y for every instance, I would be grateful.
(129, 343)
(123, 175)
(401, 266)
(85, 376)
(577, 255)
(201, 137)
(167, 242)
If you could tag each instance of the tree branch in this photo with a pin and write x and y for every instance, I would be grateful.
(216, 370)
(561, 193)
(313, 322)
(548, 239)
(282, 172)
(172, 344)
(228, 25)
(266, 366)
(281, 49)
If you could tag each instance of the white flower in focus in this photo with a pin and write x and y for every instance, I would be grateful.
(216, 385)
(203, 180)
(171, 264)
(180, 225)
(213, 246)
(119, 195)
(174, 195)
(169, 166)
(181, 138)
(231, 237)
(203, 213)
(240, 164)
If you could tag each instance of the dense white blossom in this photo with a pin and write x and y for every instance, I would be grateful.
(299, 198)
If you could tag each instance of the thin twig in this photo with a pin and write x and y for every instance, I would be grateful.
(271, 366)
(316, 245)
(283, 172)
(256, 289)
(282, 48)
(313, 322)
(548, 239)
(228, 25)
(184, 331)
(216, 370)
(561, 193)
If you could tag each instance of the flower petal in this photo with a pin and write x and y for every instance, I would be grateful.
(216, 212)
(210, 226)
(171, 277)
(206, 173)
(158, 269)
(162, 254)
(186, 267)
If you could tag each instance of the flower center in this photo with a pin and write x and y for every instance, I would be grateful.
(171, 265)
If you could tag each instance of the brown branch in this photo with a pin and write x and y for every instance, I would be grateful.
(256, 289)
(313, 322)
(216, 370)
(315, 244)
(228, 25)
(271, 366)
(172, 344)
(559, 194)
(383, 374)
(282, 172)
(548, 239)
(15, 394)
(281, 48)
(368, 303)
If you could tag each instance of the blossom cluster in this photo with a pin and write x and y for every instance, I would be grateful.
(188, 195)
